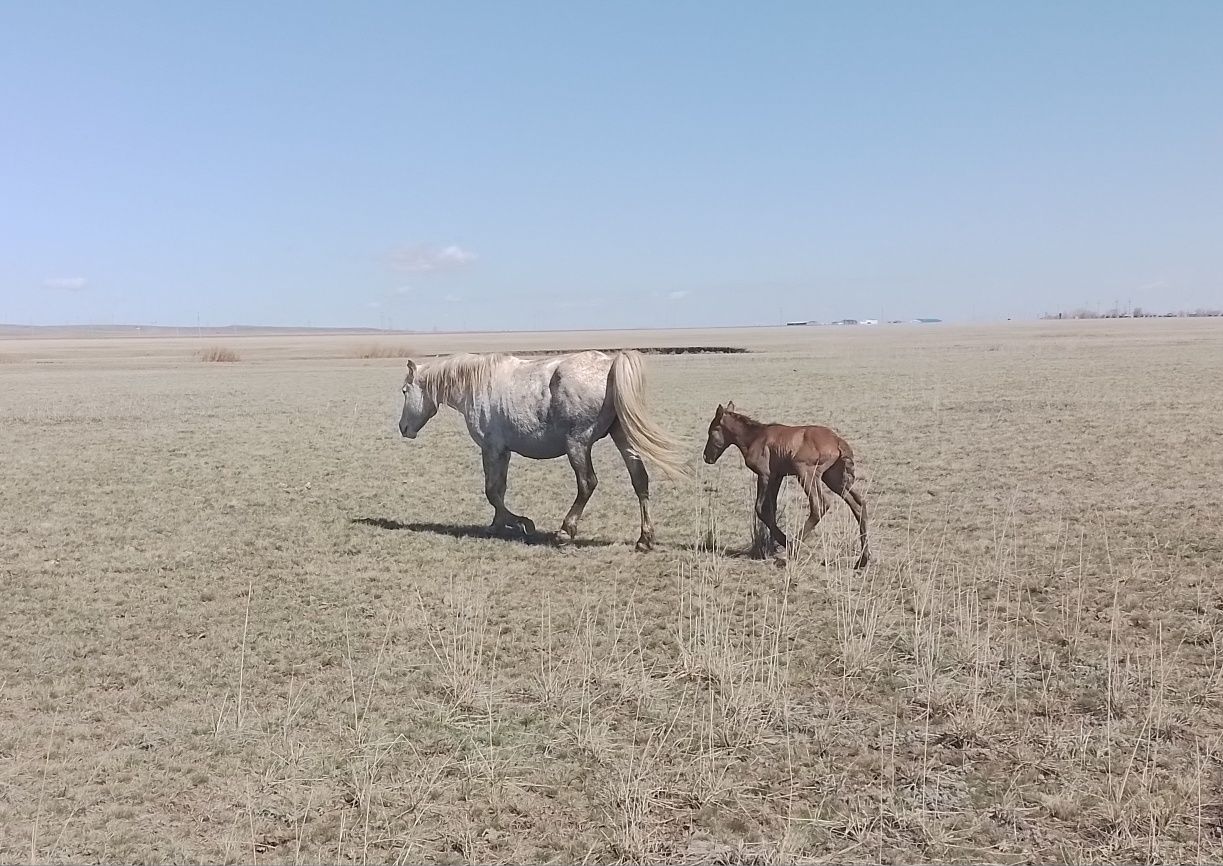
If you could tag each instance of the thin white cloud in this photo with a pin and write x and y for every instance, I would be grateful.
(678, 295)
(427, 258)
(65, 284)
(452, 298)
(402, 290)
(374, 305)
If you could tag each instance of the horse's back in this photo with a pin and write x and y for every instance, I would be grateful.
(808, 445)
(543, 402)
(578, 383)
(829, 441)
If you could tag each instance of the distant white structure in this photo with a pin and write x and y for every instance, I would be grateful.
(800, 323)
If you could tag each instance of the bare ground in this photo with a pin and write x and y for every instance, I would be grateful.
(243, 621)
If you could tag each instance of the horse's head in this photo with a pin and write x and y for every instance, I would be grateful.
(418, 407)
(718, 440)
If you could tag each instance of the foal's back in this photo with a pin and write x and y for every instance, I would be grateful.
(792, 449)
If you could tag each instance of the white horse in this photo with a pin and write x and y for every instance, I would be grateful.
(542, 409)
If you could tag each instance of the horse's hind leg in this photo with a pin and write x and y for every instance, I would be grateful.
(857, 503)
(841, 479)
(584, 472)
(496, 474)
(641, 486)
(812, 486)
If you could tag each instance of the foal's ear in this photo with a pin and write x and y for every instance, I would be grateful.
(730, 407)
(718, 414)
(411, 371)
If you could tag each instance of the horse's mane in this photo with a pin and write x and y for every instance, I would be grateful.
(743, 418)
(457, 376)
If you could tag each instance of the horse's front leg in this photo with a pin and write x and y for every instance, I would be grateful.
(766, 506)
(496, 475)
(584, 472)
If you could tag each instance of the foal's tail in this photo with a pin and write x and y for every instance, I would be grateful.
(627, 385)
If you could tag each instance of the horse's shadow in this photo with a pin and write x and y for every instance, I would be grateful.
(541, 539)
(546, 539)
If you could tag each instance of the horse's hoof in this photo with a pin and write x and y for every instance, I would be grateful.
(561, 538)
(527, 526)
(645, 545)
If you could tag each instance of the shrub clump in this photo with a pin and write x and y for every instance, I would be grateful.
(219, 355)
(384, 350)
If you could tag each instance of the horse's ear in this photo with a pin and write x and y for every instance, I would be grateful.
(411, 371)
(730, 407)
(718, 414)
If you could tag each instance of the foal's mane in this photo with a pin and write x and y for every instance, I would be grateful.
(743, 419)
(457, 376)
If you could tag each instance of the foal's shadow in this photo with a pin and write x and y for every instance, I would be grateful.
(542, 539)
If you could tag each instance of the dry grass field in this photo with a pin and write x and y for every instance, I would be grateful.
(244, 622)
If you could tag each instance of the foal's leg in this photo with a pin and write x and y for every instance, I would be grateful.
(496, 472)
(766, 505)
(641, 486)
(814, 488)
(840, 477)
(857, 504)
(584, 470)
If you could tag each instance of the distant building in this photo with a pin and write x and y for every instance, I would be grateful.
(927, 321)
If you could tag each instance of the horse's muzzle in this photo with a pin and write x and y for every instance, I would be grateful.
(407, 434)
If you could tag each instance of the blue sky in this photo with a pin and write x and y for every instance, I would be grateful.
(549, 165)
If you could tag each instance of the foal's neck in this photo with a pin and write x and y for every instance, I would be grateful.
(740, 428)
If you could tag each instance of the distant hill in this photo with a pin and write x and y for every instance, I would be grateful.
(128, 331)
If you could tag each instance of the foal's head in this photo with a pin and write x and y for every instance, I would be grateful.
(718, 438)
(418, 407)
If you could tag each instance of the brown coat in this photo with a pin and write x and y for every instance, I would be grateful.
(817, 456)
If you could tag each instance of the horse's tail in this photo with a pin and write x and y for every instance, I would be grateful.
(627, 385)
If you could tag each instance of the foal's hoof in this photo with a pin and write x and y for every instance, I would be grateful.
(561, 538)
(645, 545)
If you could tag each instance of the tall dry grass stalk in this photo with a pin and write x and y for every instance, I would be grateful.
(458, 638)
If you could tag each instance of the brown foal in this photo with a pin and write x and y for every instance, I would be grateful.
(773, 451)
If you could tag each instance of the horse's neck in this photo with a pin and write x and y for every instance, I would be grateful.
(458, 398)
(743, 431)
